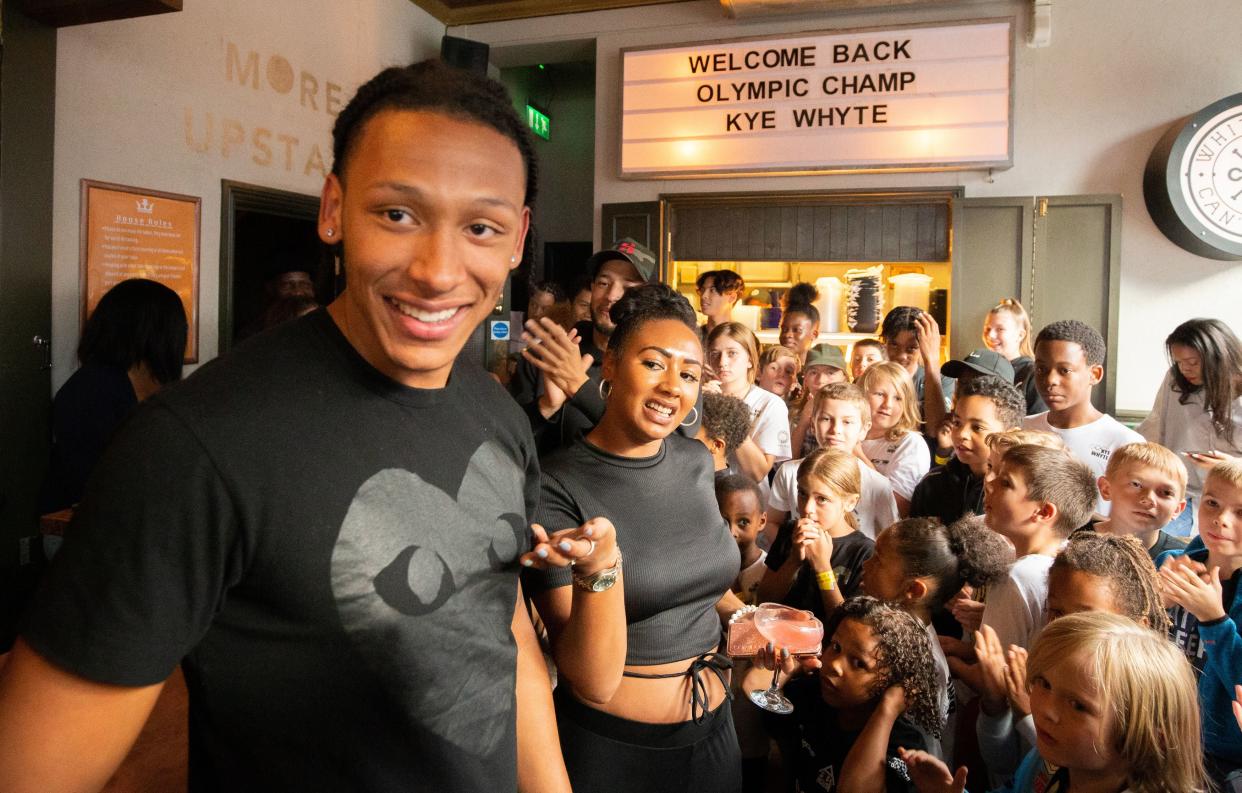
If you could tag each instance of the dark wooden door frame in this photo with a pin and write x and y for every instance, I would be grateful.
(243, 197)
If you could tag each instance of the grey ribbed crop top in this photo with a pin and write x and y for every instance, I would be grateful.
(679, 555)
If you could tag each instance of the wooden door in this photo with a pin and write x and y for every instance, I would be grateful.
(992, 254)
(1060, 255)
(27, 110)
(1077, 271)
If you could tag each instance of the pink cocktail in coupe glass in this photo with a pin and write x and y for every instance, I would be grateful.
(789, 628)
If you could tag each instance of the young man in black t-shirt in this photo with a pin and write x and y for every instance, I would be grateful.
(323, 526)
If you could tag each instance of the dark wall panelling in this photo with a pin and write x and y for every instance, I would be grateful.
(813, 232)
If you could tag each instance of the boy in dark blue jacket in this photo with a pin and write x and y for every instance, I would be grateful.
(1201, 584)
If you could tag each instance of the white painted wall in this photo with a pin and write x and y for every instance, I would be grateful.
(1087, 111)
(158, 102)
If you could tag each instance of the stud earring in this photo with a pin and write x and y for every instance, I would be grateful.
(330, 232)
(512, 260)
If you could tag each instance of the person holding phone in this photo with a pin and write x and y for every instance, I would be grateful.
(1198, 409)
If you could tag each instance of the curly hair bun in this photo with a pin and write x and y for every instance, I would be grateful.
(983, 555)
(801, 295)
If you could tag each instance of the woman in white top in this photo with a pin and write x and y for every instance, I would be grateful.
(894, 445)
(1198, 409)
(733, 353)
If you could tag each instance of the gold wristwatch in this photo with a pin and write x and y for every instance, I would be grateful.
(599, 581)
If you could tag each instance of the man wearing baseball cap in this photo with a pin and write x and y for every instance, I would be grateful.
(557, 382)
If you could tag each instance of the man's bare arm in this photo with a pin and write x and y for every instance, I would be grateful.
(60, 733)
(540, 766)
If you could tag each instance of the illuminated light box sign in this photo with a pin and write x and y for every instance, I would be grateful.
(539, 123)
(916, 98)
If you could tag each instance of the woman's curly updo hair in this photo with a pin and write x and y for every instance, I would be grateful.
(645, 303)
(902, 654)
(965, 552)
(434, 86)
(801, 300)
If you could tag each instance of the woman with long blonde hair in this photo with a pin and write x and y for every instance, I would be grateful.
(1007, 332)
(733, 359)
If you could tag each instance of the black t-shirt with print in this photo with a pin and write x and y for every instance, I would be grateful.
(333, 555)
(814, 748)
(848, 554)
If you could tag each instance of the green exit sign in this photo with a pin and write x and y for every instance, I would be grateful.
(539, 124)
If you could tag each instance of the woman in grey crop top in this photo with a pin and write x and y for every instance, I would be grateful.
(647, 712)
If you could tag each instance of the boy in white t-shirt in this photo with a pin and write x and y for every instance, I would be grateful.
(1069, 361)
(1037, 498)
(840, 419)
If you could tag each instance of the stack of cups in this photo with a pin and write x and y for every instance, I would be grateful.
(865, 308)
(829, 304)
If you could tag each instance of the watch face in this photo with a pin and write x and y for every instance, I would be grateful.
(604, 582)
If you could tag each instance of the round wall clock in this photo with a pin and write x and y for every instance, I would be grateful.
(1193, 181)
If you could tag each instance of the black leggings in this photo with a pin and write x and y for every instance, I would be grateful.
(607, 754)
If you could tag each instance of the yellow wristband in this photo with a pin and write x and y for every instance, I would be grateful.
(827, 580)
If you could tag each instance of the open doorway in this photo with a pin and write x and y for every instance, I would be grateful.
(273, 265)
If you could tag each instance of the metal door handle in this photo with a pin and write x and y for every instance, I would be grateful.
(45, 345)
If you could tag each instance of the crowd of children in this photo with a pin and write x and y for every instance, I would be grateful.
(1014, 593)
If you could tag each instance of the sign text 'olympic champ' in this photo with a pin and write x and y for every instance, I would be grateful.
(936, 95)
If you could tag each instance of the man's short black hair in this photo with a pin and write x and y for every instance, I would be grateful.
(433, 85)
(1009, 401)
(1082, 334)
(727, 419)
(899, 319)
(642, 304)
(551, 287)
(724, 281)
(737, 483)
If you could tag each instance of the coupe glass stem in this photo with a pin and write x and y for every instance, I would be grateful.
(776, 673)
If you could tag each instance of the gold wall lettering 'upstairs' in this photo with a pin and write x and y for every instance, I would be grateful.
(230, 137)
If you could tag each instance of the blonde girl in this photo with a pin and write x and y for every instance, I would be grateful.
(816, 561)
(894, 444)
(1007, 332)
(733, 355)
(1115, 709)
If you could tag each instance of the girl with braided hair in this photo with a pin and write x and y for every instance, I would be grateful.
(876, 689)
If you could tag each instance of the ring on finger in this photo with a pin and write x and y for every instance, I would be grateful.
(590, 551)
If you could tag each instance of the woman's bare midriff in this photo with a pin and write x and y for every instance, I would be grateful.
(659, 701)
